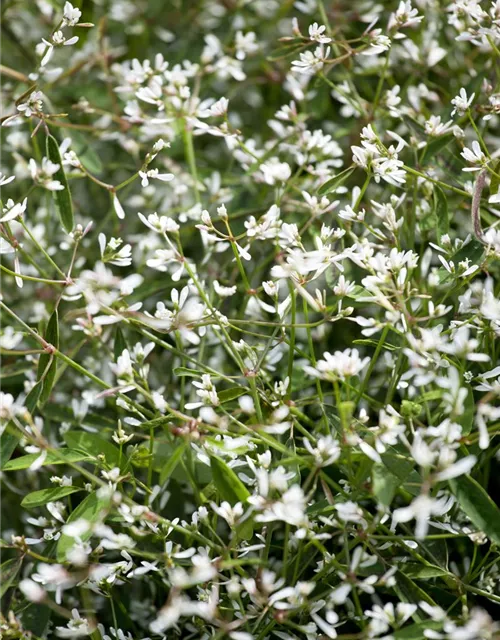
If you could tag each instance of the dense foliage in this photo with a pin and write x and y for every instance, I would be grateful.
(250, 317)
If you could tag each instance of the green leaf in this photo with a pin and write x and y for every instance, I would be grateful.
(291, 48)
(384, 484)
(52, 337)
(91, 510)
(478, 506)
(231, 394)
(336, 181)
(93, 445)
(86, 154)
(424, 572)
(495, 181)
(171, 464)
(436, 145)
(61, 456)
(408, 591)
(441, 209)
(184, 371)
(120, 343)
(8, 440)
(416, 631)
(8, 571)
(227, 482)
(366, 342)
(43, 496)
(63, 197)
(35, 618)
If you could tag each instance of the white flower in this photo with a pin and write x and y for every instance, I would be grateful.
(421, 509)
(219, 108)
(275, 171)
(13, 210)
(311, 62)
(326, 451)
(77, 627)
(230, 514)
(71, 15)
(339, 365)
(317, 33)
(155, 175)
(5, 180)
(118, 207)
(159, 224)
(475, 156)
(461, 102)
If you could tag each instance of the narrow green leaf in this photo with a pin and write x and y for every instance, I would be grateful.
(8, 571)
(52, 337)
(478, 506)
(336, 181)
(416, 631)
(441, 209)
(227, 482)
(93, 445)
(409, 591)
(436, 145)
(63, 197)
(184, 371)
(495, 179)
(171, 464)
(384, 484)
(120, 343)
(424, 572)
(292, 48)
(43, 496)
(231, 394)
(35, 618)
(91, 510)
(62, 456)
(366, 342)
(86, 154)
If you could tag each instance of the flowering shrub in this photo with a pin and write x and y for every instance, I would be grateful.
(250, 314)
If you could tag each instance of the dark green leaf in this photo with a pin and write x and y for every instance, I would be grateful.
(416, 631)
(478, 506)
(408, 591)
(436, 145)
(120, 344)
(61, 456)
(184, 371)
(384, 484)
(336, 181)
(35, 618)
(231, 394)
(87, 156)
(43, 496)
(171, 464)
(52, 337)
(423, 572)
(93, 445)
(495, 179)
(91, 510)
(227, 482)
(62, 197)
(8, 571)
